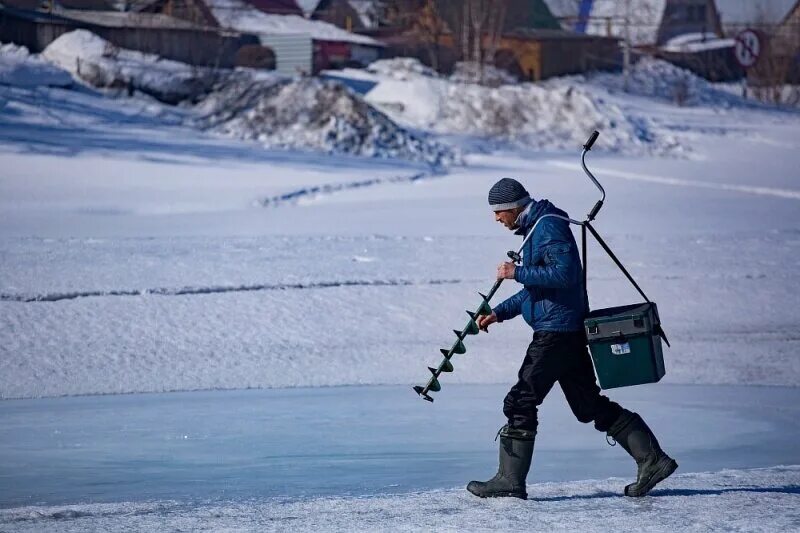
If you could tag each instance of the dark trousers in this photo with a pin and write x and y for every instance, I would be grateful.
(564, 358)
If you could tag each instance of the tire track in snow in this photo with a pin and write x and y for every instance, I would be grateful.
(791, 194)
(183, 291)
(293, 197)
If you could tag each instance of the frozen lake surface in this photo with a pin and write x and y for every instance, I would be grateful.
(355, 441)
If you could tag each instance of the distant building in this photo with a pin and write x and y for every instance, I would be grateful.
(150, 33)
(337, 12)
(301, 45)
(277, 7)
(530, 43)
(649, 22)
(49, 6)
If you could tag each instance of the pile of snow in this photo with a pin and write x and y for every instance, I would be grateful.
(655, 78)
(401, 68)
(241, 16)
(489, 75)
(309, 113)
(544, 116)
(19, 68)
(101, 64)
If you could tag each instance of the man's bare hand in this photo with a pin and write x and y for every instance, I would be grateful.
(485, 321)
(506, 271)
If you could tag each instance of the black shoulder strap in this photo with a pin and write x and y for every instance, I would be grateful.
(613, 257)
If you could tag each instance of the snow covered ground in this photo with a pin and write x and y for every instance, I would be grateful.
(732, 500)
(181, 262)
(138, 254)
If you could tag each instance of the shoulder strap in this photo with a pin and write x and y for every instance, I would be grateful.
(624, 271)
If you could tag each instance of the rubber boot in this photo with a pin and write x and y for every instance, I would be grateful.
(654, 465)
(516, 450)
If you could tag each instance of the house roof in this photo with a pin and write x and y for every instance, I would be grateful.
(738, 13)
(242, 16)
(308, 6)
(645, 17)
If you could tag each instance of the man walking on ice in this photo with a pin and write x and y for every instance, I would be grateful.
(552, 301)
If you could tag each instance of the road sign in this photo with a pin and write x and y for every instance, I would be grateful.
(748, 47)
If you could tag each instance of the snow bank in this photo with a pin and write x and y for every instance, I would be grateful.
(489, 75)
(401, 68)
(765, 499)
(551, 116)
(21, 69)
(309, 113)
(101, 64)
(655, 78)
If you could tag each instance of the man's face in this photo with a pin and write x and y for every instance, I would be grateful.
(507, 217)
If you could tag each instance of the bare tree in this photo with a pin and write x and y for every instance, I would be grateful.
(481, 30)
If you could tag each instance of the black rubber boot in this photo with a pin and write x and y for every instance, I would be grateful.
(516, 450)
(630, 431)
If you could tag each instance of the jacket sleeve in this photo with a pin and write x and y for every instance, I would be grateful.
(562, 267)
(511, 307)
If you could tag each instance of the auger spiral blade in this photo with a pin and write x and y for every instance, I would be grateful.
(485, 309)
(421, 391)
(445, 352)
(459, 334)
(445, 366)
(472, 328)
(459, 347)
(433, 385)
(472, 315)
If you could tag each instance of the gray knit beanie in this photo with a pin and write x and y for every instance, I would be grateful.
(508, 193)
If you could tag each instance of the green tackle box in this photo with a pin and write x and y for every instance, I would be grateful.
(625, 343)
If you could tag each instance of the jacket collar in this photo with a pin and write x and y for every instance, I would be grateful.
(528, 217)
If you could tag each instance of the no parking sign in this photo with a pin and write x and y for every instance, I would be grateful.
(748, 48)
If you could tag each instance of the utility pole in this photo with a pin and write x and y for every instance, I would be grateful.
(626, 51)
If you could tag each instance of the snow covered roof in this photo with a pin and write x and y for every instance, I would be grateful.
(308, 6)
(241, 16)
(563, 8)
(747, 12)
(605, 15)
(645, 18)
(697, 42)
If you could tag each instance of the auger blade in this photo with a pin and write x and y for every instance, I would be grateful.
(459, 347)
(421, 391)
(485, 309)
(472, 315)
(445, 352)
(446, 366)
(433, 385)
(483, 296)
(458, 334)
(434, 371)
(472, 328)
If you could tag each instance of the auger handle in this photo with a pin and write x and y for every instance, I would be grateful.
(592, 138)
(586, 147)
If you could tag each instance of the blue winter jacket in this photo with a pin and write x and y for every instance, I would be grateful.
(553, 296)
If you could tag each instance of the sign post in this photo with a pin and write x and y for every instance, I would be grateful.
(747, 50)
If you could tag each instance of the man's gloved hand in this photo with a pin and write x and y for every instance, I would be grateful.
(506, 271)
(485, 321)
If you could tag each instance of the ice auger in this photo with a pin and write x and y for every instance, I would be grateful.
(484, 308)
